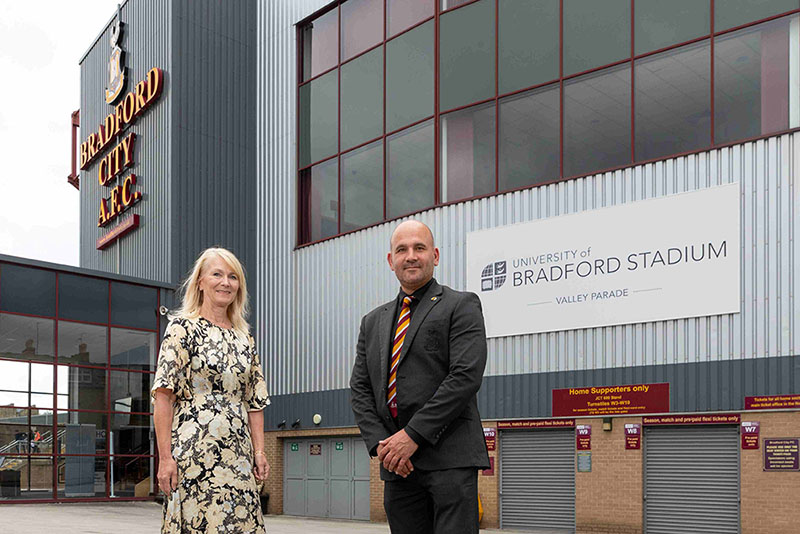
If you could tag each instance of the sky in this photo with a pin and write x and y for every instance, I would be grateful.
(40, 46)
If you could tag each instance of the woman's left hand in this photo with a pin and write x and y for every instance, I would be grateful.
(261, 469)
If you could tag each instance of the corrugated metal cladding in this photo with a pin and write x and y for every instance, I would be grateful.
(195, 148)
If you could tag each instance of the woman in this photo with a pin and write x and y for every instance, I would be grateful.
(209, 394)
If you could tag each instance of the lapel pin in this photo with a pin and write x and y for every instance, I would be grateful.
(433, 299)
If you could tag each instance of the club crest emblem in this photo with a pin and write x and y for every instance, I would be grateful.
(116, 68)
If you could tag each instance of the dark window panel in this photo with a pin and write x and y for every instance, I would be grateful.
(26, 338)
(133, 349)
(597, 121)
(134, 306)
(660, 24)
(82, 344)
(81, 388)
(82, 476)
(128, 472)
(132, 434)
(82, 298)
(130, 392)
(528, 43)
(409, 172)
(362, 99)
(362, 26)
(410, 77)
(732, 13)
(673, 101)
(529, 138)
(751, 81)
(18, 486)
(26, 384)
(466, 55)
(595, 33)
(82, 432)
(319, 129)
(319, 198)
(362, 187)
(402, 14)
(448, 4)
(27, 290)
(320, 44)
(468, 153)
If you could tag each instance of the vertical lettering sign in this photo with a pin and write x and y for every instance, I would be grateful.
(782, 454)
(583, 437)
(750, 433)
(490, 435)
(633, 436)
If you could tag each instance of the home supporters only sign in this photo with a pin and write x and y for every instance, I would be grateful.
(651, 260)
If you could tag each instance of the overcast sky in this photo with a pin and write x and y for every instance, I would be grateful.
(40, 46)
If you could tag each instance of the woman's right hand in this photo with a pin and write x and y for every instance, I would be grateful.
(167, 475)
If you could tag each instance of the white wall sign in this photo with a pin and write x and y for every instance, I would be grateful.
(651, 260)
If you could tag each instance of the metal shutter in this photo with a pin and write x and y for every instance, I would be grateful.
(691, 480)
(537, 480)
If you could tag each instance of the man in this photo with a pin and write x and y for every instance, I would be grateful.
(419, 365)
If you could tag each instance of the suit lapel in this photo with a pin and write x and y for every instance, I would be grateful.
(385, 330)
(430, 299)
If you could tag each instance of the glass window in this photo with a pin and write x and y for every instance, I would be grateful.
(320, 44)
(82, 476)
(467, 157)
(26, 384)
(132, 434)
(26, 477)
(597, 121)
(26, 338)
(82, 298)
(362, 26)
(134, 306)
(130, 392)
(529, 138)
(731, 13)
(362, 187)
(81, 388)
(82, 344)
(448, 4)
(659, 24)
(362, 99)
(410, 77)
(14, 430)
(528, 43)
(402, 14)
(82, 432)
(318, 119)
(409, 173)
(595, 33)
(466, 55)
(27, 290)
(673, 101)
(319, 197)
(751, 81)
(133, 349)
(128, 475)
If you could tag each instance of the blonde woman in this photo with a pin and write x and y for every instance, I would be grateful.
(209, 393)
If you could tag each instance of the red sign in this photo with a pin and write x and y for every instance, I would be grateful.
(750, 432)
(583, 437)
(633, 436)
(489, 472)
(608, 400)
(713, 419)
(129, 224)
(536, 423)
(782, 454)
(771, 402)
(490, 435)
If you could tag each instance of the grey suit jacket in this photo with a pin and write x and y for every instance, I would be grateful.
(438, 377)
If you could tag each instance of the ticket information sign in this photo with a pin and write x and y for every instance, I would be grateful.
(490, 435)
(583, 437)
(535, 423)
(711, 419)
(750, 433)
(633, 436)
(771, 402)
(611, 400)
(585, 462)
(782, 454)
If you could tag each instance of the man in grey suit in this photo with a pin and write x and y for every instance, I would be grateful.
(419, 365)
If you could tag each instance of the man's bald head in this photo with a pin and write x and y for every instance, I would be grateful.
(412, 225)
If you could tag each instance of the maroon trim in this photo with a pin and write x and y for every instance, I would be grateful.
(385, 162)
(711, 75)
(406, 30)
(360, 145)
(596, 69)
(465, 106)
(754, 23)
(496, 93)
(515, 92)
(328, 158)
(365, 52)
(672, 47)
(437, 134)
(75, 321)
(74, 179)
(135, 328)
(633, 85)
(561, 88)
(20, 314)
(135, 371)
(318, 13)
(320, 75)
(339, 125)
(450, 9)
(408, 127)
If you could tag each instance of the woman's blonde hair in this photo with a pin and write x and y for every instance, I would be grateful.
(192, 300)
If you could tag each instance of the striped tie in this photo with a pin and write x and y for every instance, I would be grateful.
(397, 346)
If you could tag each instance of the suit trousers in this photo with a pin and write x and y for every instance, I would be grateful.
(433, 502)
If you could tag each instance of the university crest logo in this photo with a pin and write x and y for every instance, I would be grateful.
(493, 276)
(116, 67)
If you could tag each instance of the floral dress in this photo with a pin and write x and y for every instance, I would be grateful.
(216, 377)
